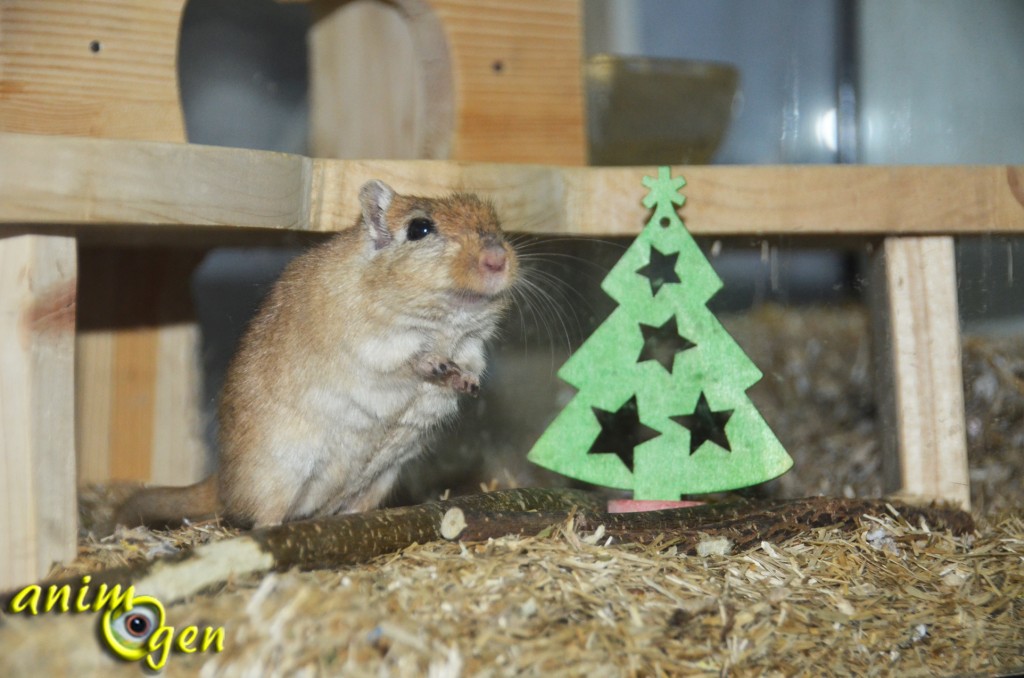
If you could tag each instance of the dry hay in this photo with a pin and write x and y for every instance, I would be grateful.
(888, 598)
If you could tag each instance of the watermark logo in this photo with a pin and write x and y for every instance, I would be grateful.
(133, 627)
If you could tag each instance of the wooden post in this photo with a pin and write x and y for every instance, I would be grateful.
(919, 376)
(38, 519)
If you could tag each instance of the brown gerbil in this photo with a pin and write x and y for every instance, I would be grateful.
(359, 351)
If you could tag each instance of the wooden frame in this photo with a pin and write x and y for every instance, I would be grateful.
(161, 191)
(214, 190)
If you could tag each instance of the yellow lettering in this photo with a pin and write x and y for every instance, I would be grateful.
(159, 642)
(80, 605)
(210, 636)
(27, 598)
(58, 594)
(187, 639)
(113, 599)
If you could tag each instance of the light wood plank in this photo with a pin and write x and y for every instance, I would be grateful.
(518, 80)
(139, 400)
(38, 514)
(368, 90)
(179, 455)
(74, 180)
(97, 184)
(104, 68)
(918, 367)
(448, 79)
(94, 364)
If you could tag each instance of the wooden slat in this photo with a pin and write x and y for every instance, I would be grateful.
(73, 180)
(179, 454)
(99, 183)
(918, 368)
(38, 515)
(138, 372)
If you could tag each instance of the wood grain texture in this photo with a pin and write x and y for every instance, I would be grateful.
(104, 68)
(38, 512)
(920, 377)
(102, 184)
(370, 63)
(448, 79)
(139, 377)
(518, 80)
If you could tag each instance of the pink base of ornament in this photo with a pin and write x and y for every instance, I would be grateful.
(638, 505)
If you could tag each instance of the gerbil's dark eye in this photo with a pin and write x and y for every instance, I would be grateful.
(419, 228)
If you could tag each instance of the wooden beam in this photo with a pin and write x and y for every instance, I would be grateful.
(97, 185)
(919, 378)
(38, 513)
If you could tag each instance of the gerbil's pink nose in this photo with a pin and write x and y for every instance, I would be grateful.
(493, 260)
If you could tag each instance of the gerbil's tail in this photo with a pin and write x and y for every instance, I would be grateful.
(169, 506)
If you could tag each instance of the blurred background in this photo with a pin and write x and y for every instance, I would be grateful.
(834, 81)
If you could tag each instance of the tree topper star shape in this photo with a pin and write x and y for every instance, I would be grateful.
(705, 424)
(664, 189)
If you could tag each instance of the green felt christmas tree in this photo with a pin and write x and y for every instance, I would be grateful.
(661, 406)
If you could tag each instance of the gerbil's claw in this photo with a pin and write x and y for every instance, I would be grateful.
(434, 368)
(465, 382)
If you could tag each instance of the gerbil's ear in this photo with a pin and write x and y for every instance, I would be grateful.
(375, 196)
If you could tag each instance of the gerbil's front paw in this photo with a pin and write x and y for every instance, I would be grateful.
(446, 372)
(464, 382)
(434, 368)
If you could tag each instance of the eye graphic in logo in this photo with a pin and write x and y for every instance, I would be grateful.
(128, 631)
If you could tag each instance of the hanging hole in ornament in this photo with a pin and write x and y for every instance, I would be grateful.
(665, 222)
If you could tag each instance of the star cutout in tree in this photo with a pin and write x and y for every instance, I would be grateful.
(621, 431)
(704, 425)
(663, 343)
(661, 270)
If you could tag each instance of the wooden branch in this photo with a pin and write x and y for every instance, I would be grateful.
(331, 542)
(350, 539)
(744, 524)
(104, 184)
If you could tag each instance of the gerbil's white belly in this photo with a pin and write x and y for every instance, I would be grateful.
(368, 434)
